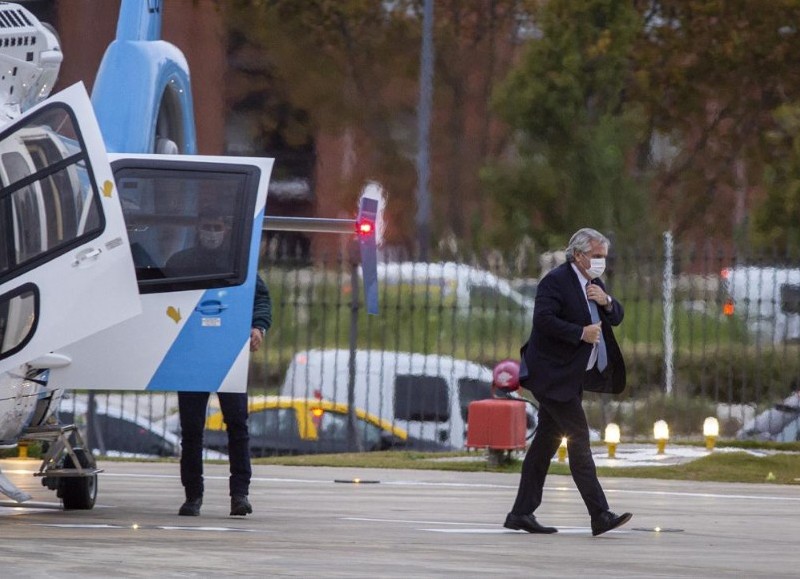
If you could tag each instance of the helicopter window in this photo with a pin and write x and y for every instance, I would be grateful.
(19, 311)
(188, 228)
(49, 200)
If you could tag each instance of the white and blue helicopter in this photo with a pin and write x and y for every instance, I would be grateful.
(95, 196)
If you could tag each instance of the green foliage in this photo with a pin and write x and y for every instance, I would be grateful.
(775, 220)
(575, 138)
(710, 75)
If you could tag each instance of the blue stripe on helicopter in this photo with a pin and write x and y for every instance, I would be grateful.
(203, 353)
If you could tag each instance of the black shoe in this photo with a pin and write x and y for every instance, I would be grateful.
(191, 508)
(240, 506)
(607, 521)
(527, 523)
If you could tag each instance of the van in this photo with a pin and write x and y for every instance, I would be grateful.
(767, 299)
(428, 396)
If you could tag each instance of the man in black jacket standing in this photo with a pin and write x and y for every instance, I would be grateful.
(571, 348)
(210, 254)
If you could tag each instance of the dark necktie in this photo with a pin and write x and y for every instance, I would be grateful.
(602, 355)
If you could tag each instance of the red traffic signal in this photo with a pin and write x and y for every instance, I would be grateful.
(365, 227)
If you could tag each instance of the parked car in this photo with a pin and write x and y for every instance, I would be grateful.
(281, 425)
(428, 396)
(116, 432)
(781, 423)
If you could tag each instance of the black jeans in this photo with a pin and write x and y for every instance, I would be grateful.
(556, 420)
(192, 410)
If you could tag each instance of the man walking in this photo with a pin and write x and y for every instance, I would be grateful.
(571, 348)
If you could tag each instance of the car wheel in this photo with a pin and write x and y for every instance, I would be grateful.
(78, 492)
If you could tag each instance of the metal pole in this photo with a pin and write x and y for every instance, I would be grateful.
(423, 144)
(669, 326)
(353, 440)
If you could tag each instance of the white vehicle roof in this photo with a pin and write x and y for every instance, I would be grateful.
(447, 275)
(329, 362)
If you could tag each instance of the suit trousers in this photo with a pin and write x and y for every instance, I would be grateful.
(192, 410)
(556, 420)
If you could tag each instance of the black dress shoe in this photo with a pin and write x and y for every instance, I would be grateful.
(240, 506)
(527, 523)
(607, 521)
(191, 508)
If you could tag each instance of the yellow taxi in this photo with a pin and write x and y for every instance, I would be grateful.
(283, 425)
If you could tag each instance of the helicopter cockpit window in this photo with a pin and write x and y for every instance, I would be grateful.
(49, 200)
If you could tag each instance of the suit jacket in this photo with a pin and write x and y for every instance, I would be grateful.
(554, 358)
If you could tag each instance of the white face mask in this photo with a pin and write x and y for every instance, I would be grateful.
(597, 265)
(211, 239)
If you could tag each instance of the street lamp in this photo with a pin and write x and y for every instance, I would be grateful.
(661, 434)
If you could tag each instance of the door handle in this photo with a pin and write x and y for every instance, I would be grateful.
(210, 308)
(85, 255)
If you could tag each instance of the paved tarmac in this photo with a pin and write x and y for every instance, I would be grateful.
(316, 522)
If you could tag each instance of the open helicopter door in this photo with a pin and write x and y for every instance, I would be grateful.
(194, 224)
(65, 267)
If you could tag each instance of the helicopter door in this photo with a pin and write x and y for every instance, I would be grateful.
(194, 225)
(65, 267)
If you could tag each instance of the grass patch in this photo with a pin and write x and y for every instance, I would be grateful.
(723, 467)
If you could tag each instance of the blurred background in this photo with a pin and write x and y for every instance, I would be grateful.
(496, 128)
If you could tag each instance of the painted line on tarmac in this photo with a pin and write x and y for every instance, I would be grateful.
(11, 511)
(479, 531)
(471, 528)
(403, 521)
(702, 495)
(137, 527)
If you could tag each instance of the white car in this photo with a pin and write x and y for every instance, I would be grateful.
(781, 423)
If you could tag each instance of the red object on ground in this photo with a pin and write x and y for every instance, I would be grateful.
(497, 424)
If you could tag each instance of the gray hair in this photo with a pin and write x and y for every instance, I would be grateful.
(581, 242)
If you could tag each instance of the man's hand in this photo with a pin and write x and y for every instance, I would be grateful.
(256, 337)
(591, 333)
(596, 293)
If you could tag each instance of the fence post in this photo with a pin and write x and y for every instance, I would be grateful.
(353, 441)
(669, 326)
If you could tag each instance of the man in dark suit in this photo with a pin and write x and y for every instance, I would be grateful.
(571, 348)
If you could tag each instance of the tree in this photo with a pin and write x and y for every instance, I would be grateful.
(575, 129)
(711, 76)
(347, 71)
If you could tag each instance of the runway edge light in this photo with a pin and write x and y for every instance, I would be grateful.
(612, 436)
(711, 432)
(661, 434)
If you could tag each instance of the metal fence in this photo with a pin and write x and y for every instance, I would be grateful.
(706, 333)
